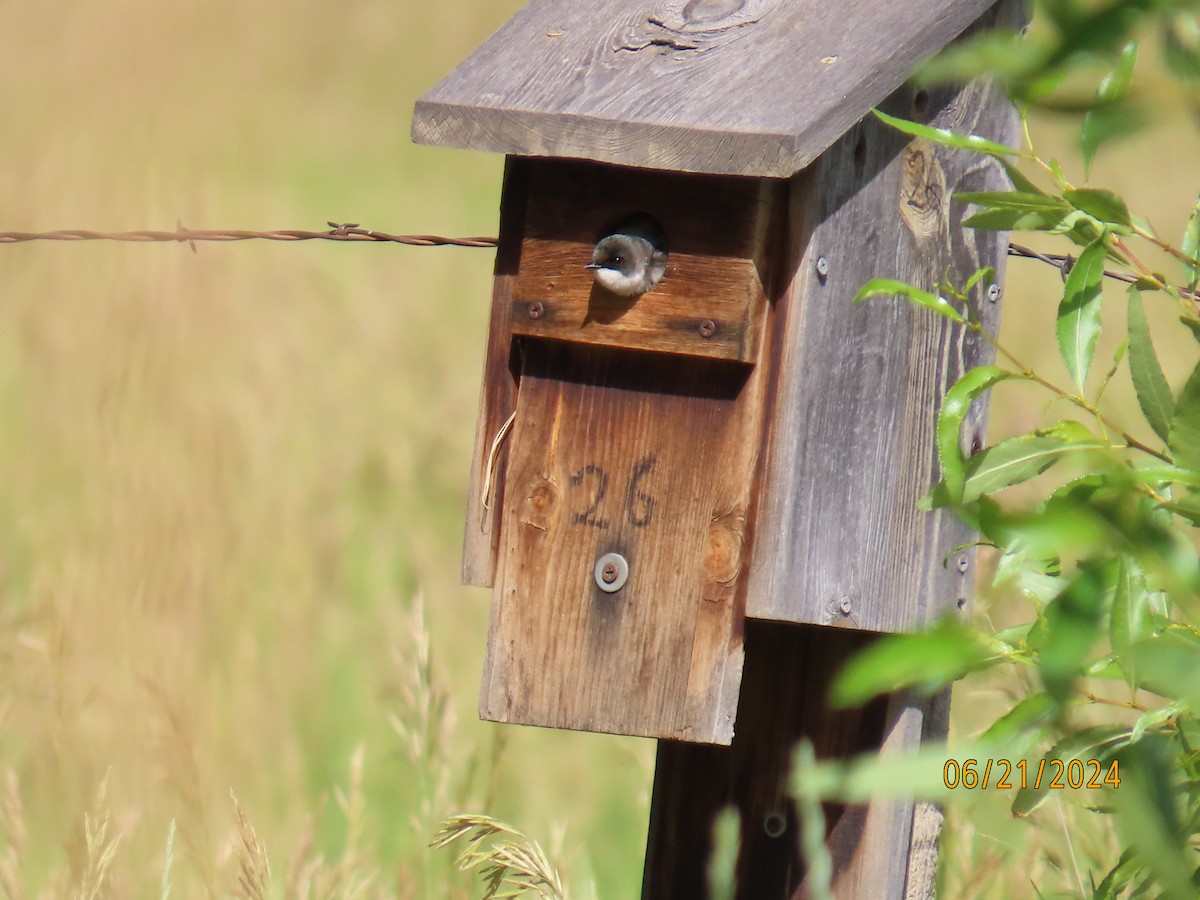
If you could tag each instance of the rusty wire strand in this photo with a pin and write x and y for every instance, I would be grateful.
(1064, 262)
(351, 232)
(337, 232)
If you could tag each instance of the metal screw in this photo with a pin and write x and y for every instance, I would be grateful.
(536, 309)
(993, 292)
(775, 824)
(962, 563)
(611, 572)
(845, 606)
(708, 328)
(822, 266)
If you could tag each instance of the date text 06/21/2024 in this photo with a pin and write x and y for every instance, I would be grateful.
(1073, 773)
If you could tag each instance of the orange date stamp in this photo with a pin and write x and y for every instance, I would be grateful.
(1055, 774)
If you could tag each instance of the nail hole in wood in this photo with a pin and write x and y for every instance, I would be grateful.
(921, 104)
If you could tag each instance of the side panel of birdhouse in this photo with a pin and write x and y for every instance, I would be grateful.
(839, 538)
(635, 441)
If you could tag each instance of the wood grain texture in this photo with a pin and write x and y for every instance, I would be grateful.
(498, 393)
(650, 457)
(838, 537)
(737, 87)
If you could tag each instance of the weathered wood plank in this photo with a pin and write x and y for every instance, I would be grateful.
(705, 306)
(498, 393)
(736, 87)
(838, 538)
(647, 456)
(711, 300)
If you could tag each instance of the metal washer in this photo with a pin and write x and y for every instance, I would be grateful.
(617, 560)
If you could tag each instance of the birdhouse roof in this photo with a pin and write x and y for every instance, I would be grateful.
(732, 87)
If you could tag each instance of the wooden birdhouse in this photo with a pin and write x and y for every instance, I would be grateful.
(656, 474)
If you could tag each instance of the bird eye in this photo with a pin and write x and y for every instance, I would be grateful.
(617, 260)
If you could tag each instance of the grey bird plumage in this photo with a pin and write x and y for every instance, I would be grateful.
(632, 259)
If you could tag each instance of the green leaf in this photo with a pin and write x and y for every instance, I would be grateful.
(1103, 205)
(1012, 200)
(1191, 248)
(927, 299)
(1186, 507)
(1018, 730)
(1184, 436)
(1153, 394)
(955, 406)
(920, 773)
(1020, 183)
(1181, 46)
(947, 138)
(1154, 718)
(1169, 665)
(1131, 620)
(1072, 628)
(1115, 85)
(926, 661)
(1157, 476)
(1078, 323)
(1148, 815)
(1014, 210)
(1193, 325)
(1017, 219)
(1016, 460)
(1100, 742)
(1110, 117)
(987, 273)
(1106, 122)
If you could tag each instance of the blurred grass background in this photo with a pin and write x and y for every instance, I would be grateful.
(230, 477)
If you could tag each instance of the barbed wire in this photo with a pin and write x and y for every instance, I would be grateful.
(1064, 262)
(350, 231)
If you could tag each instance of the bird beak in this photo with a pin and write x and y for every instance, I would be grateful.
(593, 266)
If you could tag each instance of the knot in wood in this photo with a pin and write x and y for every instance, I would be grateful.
(540, 503)
(723, 555)
(923, 198)
(687, 27)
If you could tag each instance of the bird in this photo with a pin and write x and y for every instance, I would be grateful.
(632, 258)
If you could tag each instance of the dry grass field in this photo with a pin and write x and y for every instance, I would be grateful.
(233, 480)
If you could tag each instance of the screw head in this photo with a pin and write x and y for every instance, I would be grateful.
(774, 824)
(962, 563)
(708, 328)
(993, 292)
(844, 606)
(822, 266)
(536, 309)
(611, 572)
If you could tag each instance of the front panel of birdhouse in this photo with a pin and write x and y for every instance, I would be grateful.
(619, 495)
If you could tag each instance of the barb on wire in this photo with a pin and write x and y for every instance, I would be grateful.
(1064, 262)
(337, 232)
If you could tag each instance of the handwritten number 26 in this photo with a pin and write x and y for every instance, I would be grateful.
(639, 506)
